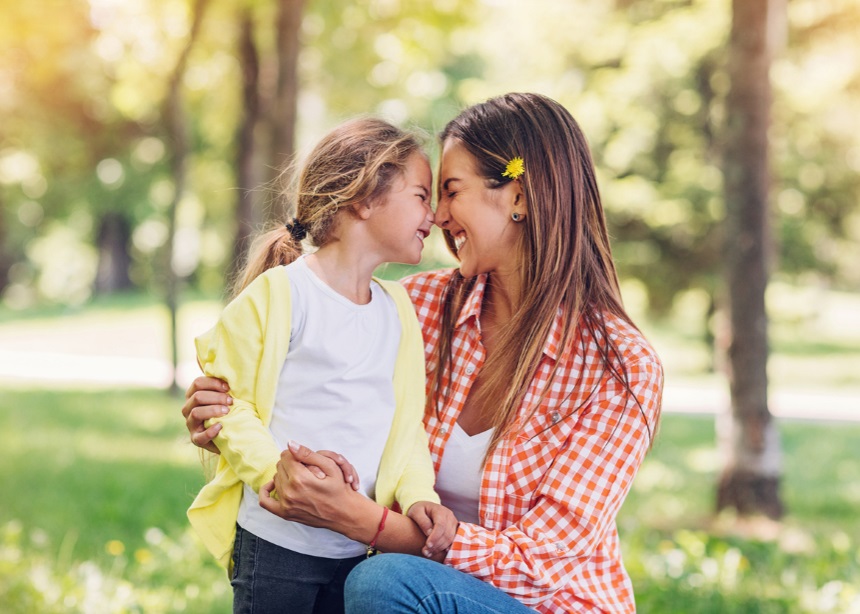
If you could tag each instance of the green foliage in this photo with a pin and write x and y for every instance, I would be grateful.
(401, 65)
(646, 80)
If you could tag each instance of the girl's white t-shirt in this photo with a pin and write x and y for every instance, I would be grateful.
(458, 482)
(335, 392)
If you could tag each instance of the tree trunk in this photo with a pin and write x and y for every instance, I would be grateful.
(176, 126)
(282, 107)
(114, 260)
(6, 259)
(750, 441)
(248, 214)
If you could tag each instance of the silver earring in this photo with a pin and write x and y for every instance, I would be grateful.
(516, 216)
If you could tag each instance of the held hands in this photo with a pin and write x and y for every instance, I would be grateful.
(313, 488)
(349, 474)
(438, 523)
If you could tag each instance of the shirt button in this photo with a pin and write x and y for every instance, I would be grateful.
(555, 417)
(470, 369)
(443, 430)
(559, 546)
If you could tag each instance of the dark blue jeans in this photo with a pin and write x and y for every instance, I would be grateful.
(268, 578)
(400, 583)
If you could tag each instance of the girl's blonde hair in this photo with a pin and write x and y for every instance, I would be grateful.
(357, 162)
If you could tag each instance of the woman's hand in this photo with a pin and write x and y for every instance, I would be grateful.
(438, 523)
(311, 488)
(205, 398)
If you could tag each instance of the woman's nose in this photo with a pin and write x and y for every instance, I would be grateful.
(442, 218)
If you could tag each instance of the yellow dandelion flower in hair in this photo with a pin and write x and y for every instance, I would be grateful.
(515, 168)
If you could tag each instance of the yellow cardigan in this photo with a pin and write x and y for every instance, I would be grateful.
(247, 348)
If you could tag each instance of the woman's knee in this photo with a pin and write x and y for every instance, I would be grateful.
(377, 570)
(383, 583)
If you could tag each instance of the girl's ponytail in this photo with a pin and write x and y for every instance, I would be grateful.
(279, 246)
(357, 162)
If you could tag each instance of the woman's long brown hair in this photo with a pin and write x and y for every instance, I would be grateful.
(565, 257)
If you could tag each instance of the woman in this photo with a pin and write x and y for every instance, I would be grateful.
(536, 378)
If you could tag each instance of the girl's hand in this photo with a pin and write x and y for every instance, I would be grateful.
(205, 398)
(348, 472)
(350, 475)
(438, 523)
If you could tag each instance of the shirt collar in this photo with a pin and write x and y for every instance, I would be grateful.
(472, 306)
(472, 309)
(552, 344)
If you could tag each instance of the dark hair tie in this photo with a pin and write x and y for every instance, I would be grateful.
(297, 229)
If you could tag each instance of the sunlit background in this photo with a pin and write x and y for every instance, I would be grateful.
(88, 197)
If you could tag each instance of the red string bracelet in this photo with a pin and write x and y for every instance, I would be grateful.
(371, 548)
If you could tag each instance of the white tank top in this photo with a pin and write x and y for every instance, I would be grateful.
(459, 479)
(335, 392)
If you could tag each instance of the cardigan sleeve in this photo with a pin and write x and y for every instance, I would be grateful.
(417, 478)
(242, 350)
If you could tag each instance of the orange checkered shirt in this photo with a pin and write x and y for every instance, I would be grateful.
(551, 491)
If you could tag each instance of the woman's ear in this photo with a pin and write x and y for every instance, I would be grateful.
(519, 207)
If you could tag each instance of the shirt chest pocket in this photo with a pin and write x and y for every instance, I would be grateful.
(532, 456)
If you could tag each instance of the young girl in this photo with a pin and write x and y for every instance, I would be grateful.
(321, 353)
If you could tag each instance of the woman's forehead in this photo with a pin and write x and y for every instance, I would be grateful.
(456, 159)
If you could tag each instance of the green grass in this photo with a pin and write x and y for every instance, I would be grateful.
(115, 452)
(683, 559)
(96, 483)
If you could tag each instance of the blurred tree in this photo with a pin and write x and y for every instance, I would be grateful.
(6, 258)
(268, 110)
(751, 450)
(248, 215)
(282, 106)
(114, 261)
(176, 129)
(68, 144)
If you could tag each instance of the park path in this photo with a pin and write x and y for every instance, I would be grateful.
(23, 368)
(96, 350)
